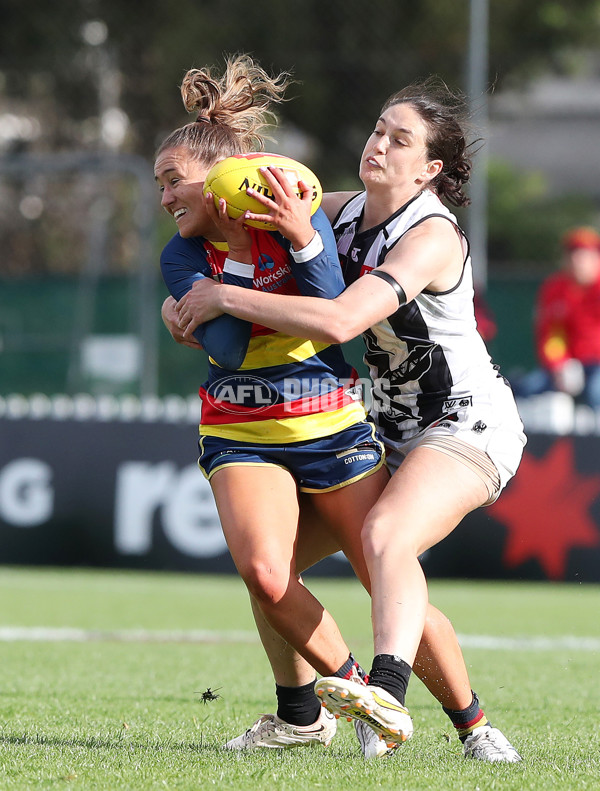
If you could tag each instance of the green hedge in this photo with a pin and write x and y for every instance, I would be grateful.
(36, 333)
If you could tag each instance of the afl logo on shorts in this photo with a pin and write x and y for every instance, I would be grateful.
(248, 394)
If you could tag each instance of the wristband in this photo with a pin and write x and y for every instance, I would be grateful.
(400, 293)
(237, 268)
(312, 250)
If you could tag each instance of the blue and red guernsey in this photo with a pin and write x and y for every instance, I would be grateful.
(286, 389)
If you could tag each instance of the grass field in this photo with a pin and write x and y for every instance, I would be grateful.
(102, 671)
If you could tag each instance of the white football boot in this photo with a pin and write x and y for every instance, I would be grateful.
(371, 744)
(373, 705)
(271, 731)
(490, 744)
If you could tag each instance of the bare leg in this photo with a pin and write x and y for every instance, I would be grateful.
(324, 525)
(439, 662)
(392, 545)
(289, 668)
(315, 542)
(258, 510)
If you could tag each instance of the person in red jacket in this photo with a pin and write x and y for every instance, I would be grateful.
(567, 324)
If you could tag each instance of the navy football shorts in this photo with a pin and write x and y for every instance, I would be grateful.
(318, 465)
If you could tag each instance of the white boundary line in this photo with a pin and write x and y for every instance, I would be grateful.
(557, 643)
(42, 634)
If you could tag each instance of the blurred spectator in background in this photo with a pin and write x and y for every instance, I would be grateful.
(567, 324)
(486, 322)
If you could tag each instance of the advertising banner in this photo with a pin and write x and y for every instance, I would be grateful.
(130, 495)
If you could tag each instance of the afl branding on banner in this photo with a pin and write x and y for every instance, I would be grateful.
(250, 392)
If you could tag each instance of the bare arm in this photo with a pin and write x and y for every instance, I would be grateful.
(420, 260)
(170, 319)
(327, 320)
(429, 256)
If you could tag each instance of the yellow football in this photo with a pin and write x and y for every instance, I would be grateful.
(231, 177)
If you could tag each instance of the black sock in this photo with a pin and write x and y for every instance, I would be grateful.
(298, 705)
(466, 720)
(350, 668)
(391, 673)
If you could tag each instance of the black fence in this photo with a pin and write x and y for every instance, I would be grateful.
(128, 493)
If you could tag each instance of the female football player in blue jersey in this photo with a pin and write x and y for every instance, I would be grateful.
(266, 433)
(443, 411)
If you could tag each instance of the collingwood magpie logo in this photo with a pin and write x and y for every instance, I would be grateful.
(416, 363)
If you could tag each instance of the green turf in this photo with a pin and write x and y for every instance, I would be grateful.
(111, 714)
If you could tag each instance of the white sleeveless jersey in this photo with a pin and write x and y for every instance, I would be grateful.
(428, 364)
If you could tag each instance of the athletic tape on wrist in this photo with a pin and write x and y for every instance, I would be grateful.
(312, 249)
(237, 268)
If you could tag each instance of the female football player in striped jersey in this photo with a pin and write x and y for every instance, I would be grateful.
(447, 417)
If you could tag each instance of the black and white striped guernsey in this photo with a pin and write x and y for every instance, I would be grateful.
(427, 361)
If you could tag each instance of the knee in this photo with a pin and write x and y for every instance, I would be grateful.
(266, 583)
(375, 536)
(384, 534)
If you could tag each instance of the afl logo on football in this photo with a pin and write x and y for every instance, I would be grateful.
(247, 394)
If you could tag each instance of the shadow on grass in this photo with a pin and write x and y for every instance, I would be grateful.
(120, 742)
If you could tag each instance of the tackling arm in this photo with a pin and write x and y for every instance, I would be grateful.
(224, 338)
